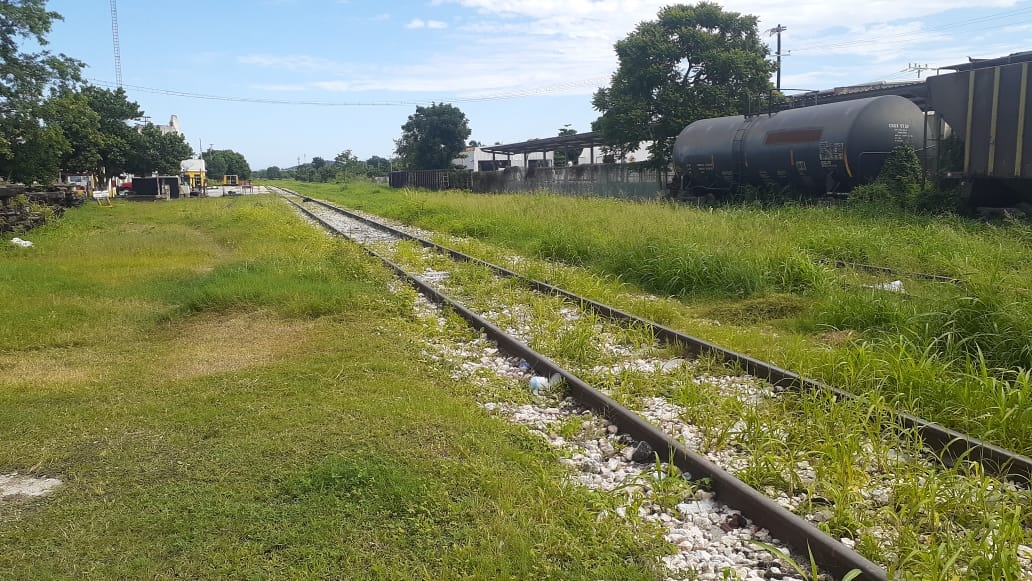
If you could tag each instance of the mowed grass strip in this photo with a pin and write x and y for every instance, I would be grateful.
(228, 393)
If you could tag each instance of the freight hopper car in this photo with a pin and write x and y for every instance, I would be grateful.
(823, 149)
(988, 105)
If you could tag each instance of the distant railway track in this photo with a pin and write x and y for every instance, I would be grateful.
(894, 272)
(791, 528)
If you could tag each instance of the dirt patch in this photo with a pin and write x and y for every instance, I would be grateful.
(198, 346)
(48, 366)
(836, 338)
(16, 485)
(210, 344)
(759, 310)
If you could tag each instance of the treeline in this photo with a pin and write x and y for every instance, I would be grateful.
(346, 166)
(53, 122)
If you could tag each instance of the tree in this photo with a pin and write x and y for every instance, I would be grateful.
(25, 79)
(273, 172)
(157, 152)
(223, 162)
(378, 166)
(432, 137)
(567, 156)
(348, 166)
(118, 141)
(693, 62)
(70, 111)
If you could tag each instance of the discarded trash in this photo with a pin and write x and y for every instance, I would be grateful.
(538, 383)
(895, 286)
(524, 366)
(19, 242)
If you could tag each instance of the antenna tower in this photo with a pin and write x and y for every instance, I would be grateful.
(114, 40)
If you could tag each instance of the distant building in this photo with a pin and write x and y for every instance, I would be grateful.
(476, 159)
(172, 127)
(194, 174)
(479, 160)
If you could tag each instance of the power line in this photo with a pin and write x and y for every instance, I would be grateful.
(401, 103)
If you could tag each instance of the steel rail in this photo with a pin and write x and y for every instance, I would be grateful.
(832, 555)
(949, 444)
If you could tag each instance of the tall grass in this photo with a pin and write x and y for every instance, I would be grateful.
(917, 348)
(226, 392)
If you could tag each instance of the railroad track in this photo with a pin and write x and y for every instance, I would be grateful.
(832, 554)
(842, 264)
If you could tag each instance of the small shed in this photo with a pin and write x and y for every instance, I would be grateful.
(156, 187)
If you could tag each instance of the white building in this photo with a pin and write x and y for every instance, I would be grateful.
(172, 127)
(476, 159)
(191, 165)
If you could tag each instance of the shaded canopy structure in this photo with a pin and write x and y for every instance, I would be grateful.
(590, 140)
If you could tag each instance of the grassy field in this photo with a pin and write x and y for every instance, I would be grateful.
(757, 280)
(228, 393)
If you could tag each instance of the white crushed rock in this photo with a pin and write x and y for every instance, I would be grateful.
(15, 485)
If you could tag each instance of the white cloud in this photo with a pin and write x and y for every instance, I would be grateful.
(420, 23)
(508, 47)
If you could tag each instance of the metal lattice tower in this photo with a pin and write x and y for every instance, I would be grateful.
(114, 39)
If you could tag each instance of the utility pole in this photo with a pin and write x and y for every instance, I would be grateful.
(916, 68)
(778, 30)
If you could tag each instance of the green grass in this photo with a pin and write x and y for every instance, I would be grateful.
(866, 479)
(752, 279)
(229, 393)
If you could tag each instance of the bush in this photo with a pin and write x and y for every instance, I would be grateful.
(899, 186)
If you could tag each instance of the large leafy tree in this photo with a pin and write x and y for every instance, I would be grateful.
(31, 145)
(222, 162)
(692, 62)
(70, 111)
(119, 142)
(432, 137)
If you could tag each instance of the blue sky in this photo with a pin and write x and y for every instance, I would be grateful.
(519, 69)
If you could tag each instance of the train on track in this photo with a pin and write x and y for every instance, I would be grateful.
(826, 143)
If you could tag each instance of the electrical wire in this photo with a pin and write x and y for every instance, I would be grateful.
(401, 103)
